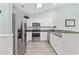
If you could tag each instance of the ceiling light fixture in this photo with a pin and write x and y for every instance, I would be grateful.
(39, 5)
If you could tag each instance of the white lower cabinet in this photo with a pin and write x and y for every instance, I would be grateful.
(57, 43)
(71, 41)
(67, 45)
(29, 36)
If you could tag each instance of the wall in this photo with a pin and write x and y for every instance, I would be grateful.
(5, 18)
(6, 36)
(58, 15)
(77, 9)
(6, 45)
(66, 12)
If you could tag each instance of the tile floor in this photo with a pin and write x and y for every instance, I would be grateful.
(39, 48)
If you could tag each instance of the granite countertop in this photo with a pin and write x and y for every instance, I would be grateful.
(62, 30)
(58, 32)
(66, 30)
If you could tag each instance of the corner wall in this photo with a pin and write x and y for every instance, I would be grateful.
(6, 36)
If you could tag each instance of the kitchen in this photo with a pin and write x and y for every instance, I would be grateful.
(55, 23)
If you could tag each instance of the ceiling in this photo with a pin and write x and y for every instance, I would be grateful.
(31, 8)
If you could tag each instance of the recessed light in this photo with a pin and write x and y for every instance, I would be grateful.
(39, 5)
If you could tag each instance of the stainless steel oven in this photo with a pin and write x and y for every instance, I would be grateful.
(36, 32)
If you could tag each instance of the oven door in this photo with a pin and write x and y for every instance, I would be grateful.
(36, 36)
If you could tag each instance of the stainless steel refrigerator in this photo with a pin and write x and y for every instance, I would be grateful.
(19, 38)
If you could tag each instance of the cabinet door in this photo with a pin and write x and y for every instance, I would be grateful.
(59, 46)
(57, 43)
(71, 43)
(51, 40)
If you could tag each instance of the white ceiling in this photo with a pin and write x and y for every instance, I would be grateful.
(31, 8)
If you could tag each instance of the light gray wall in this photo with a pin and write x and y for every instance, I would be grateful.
(6, 37)
(5, 18)
(65, 12)
(57, 16)
(77, 9)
